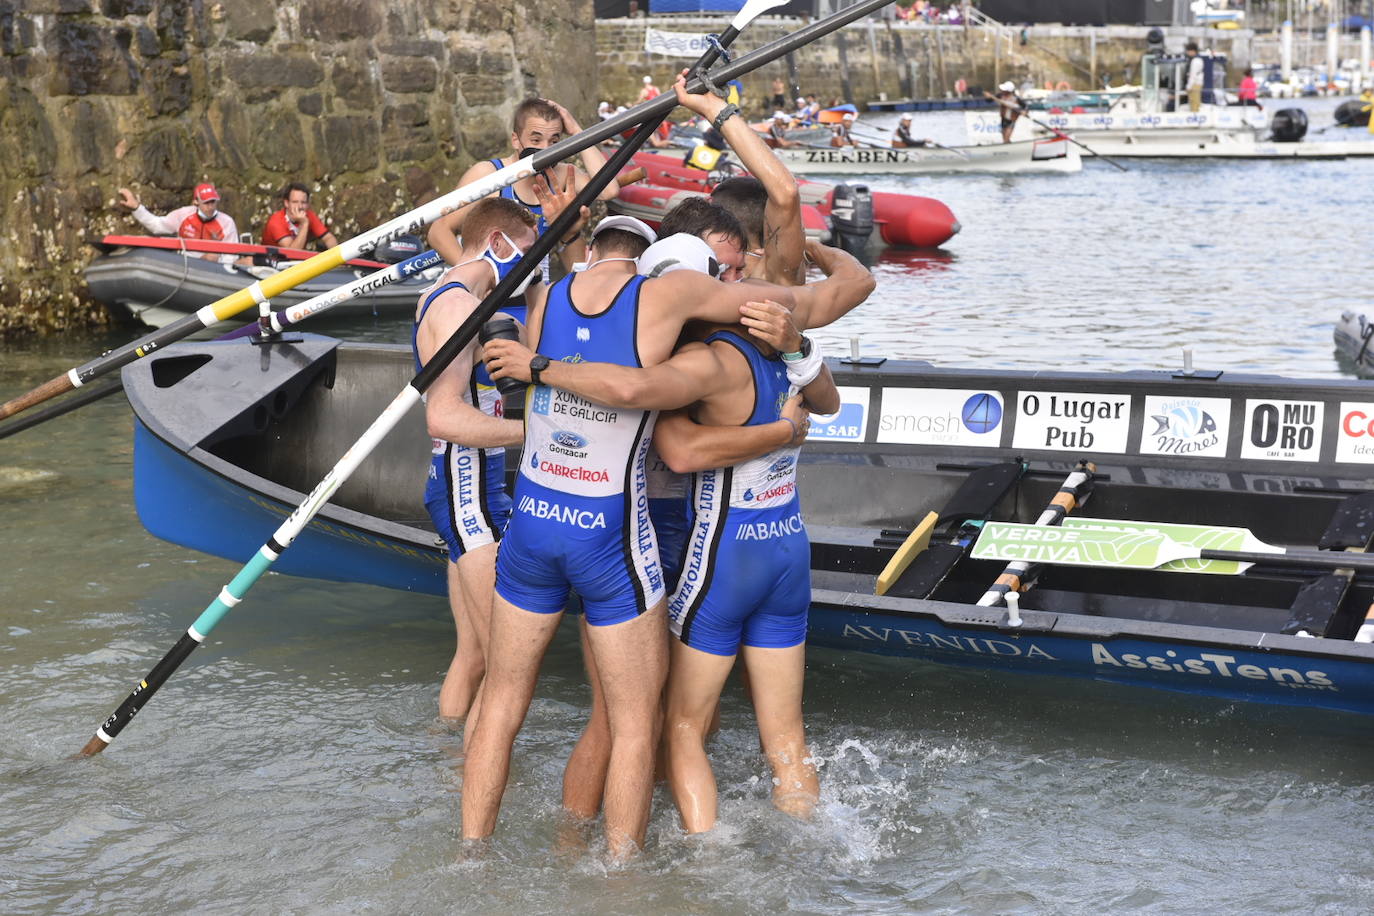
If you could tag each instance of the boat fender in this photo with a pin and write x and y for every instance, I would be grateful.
(1289, 125)
(851, 217)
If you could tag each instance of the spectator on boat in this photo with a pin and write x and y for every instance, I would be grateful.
(650, 91)
(1248, 93)
(777, 132)
(202, 220)
(295, 225)
(901, 137)
(1195, 76)
(1009, 108)
(605, 111)
(536, 124)
(465, 494)
(840, 134)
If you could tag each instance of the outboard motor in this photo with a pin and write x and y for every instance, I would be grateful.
(1288, 125)
(1353, 113)
(851, 218)
(398, 249)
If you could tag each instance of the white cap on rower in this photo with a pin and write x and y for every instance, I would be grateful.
(648, 80)
(1008, 86)
(848, 116)
(626, 224)
(907, 116)
(603, 106)
(677, 252)
(779, 116)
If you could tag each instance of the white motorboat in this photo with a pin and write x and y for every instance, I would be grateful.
(1156, 122)
(1051, 154)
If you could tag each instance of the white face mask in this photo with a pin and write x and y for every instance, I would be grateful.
(584, 265)
(501, 267)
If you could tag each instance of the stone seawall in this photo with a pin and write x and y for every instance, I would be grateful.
(378, 104)
(870, 59)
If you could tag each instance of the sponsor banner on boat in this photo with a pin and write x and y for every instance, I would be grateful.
(1355, 437)
(849, 424)
(675, 44)
(1282, 430)
(942, 416)
(1273, 483)
(1072, 420)
(1186, 426)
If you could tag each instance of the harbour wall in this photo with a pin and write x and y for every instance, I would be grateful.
(379, 105)
(874, 59)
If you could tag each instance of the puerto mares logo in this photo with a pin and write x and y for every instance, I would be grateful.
(942, 416)
(1186, 426)
(1283, 430)
(849, 423)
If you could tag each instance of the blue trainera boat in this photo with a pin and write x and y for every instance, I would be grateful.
(230, 436)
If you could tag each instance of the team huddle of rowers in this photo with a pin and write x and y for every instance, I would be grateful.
(667, 388)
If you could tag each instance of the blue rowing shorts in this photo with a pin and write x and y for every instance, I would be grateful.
(466, 496)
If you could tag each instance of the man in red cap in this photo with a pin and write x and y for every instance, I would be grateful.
(201, 220)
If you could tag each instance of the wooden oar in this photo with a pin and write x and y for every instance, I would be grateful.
(1054, 130)
(1019, 575)
(283, 537)
(1145, 545)
(410, 223)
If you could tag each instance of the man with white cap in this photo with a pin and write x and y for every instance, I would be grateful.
(901, 137)
(1009, 107)
(581, 514)
(777, 131)
(840, 132)
(650, 91)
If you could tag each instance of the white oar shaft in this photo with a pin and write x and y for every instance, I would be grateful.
(1061, 505)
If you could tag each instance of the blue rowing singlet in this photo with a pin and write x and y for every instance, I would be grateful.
(746, 579)
(581, 516)
(465, 491)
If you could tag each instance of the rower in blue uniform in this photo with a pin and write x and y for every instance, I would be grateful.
(464, 490)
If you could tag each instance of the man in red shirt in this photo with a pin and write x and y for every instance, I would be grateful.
(295, 224)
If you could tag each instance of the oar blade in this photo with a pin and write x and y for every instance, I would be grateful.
(1077, 547)
(1209, 537)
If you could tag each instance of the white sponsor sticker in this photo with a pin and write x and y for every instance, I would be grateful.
(1185, 426)
(942, 416)
(1072, 421)
(849, 423)
(1355, 437)
(1282, 430)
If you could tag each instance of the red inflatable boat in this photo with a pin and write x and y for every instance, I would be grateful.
(902, 220)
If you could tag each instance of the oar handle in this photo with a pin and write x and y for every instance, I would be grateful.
(1323, 559)
(51, 389)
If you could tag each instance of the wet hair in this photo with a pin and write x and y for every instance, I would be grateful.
(295, 186)
(495, 213)
(746, 198)
(619, 241)
(533, 107)
(698, 216)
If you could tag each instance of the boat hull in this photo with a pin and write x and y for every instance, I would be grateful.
(242, 432)
(156, 285)
(1031, 156)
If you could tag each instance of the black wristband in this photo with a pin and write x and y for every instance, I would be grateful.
(726, 113)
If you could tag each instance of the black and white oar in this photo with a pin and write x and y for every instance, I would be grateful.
(1017, 577)
(1149, 545)
(283, 537)
(1055, 131)
(410, 223)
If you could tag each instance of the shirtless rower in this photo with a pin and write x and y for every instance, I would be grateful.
(465, 491)
(580, 520)
(536, 124)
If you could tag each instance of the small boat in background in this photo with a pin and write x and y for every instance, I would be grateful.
(904, 220)
(158, 280)
(1353, 334)
(898, 484)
